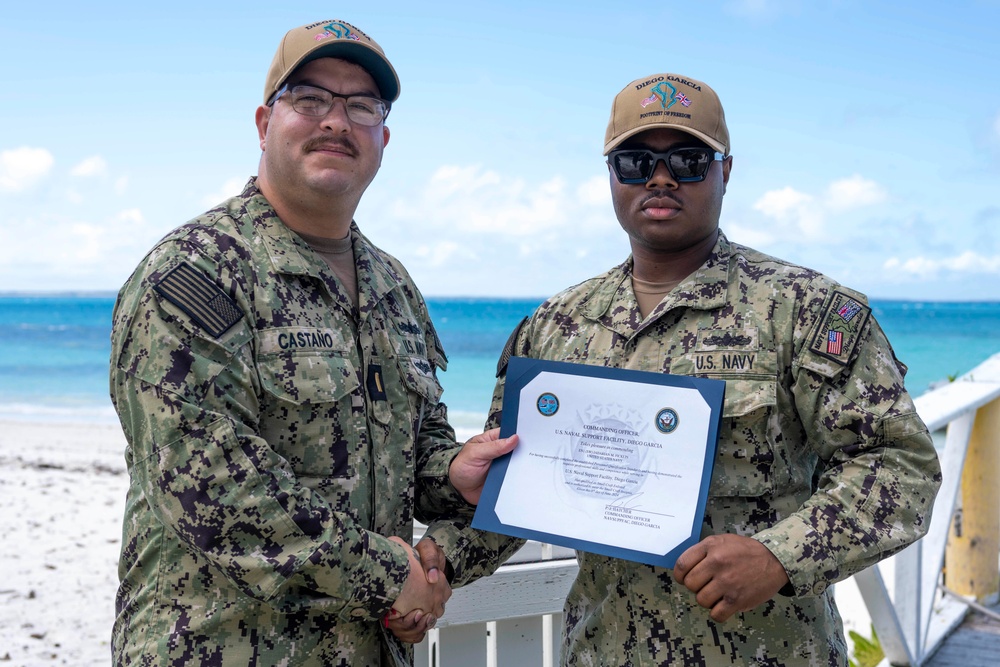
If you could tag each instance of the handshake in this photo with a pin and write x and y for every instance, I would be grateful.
(421, 602)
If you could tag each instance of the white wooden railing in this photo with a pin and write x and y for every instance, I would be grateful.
(514, 617)
(912, 622)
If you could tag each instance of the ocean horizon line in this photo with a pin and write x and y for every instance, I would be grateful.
(55, 347)
(111, 294)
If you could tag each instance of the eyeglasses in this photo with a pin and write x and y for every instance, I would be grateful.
(686, 165)
(316, 101)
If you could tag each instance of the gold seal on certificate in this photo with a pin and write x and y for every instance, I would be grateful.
(610, 461)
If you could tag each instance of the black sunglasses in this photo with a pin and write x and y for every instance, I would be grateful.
(686, 165)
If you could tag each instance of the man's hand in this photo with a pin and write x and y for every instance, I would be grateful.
(433, 561)
(412, 626)
(468, 469)
(729, 574)
(418, 592)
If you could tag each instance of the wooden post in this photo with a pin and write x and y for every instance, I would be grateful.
(974, 541)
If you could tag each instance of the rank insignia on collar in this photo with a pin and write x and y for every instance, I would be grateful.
(843, 320)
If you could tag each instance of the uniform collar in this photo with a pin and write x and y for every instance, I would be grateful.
(290, 254)
(286, 250)
(612, 301)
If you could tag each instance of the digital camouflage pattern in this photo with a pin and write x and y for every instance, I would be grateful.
(276, 438)
(821, 456)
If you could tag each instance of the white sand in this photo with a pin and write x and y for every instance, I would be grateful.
(62, 495)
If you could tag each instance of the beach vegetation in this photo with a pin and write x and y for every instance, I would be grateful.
(867, 652)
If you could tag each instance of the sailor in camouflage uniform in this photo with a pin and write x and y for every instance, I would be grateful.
(822, 469)
(275, 375)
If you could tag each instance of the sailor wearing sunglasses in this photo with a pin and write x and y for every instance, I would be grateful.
(822, 467)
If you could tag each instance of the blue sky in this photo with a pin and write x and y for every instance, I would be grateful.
(866, 135)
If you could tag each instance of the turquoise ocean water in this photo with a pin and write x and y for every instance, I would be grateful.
(54, 350)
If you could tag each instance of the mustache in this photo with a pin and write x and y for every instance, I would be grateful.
(661, 194)
(327, 142)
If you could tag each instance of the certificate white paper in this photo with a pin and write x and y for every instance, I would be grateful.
(609, 461)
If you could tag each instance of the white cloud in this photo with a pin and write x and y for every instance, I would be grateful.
(449, 180)
(968, 262)
(230, 188)
(595, 192)
(73, 246)
(783, 203)
(469, 230)
(92, 166)
(90, 244)
(794, 209)
(478, 201)
(441, 253)
(85, 245)
(808, 216)
(131, 216)
(749, 235)
(121, 185)
(21, 168)
(854, 192)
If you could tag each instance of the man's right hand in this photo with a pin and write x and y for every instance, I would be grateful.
(729, 574)
(418, 592)
(412, 627)
(468, 470)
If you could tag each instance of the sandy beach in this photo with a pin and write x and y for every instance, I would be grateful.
(63, 492)
(62, 489)
(62, 495)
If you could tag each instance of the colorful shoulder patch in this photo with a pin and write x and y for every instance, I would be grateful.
(838, 334)
(205, 303)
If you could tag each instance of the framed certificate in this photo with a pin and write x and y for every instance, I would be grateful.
(609, 461)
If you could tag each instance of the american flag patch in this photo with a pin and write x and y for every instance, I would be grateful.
(204, 301)
(834, 342)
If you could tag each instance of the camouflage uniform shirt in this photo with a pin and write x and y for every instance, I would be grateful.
(276, 436)
(821, 456)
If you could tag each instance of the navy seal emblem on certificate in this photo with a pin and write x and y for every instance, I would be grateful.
(666, 420)
(610, 461)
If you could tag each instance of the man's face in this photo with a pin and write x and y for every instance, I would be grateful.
(329, 155)
(663, 215)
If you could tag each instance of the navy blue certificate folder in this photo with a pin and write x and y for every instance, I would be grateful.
(613, 462)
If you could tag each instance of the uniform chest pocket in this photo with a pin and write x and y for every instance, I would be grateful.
(407, 384)
(418, 377)
(305, 412)
(745, 458)
(307, 378)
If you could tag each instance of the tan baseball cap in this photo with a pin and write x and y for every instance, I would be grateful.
(667, 100)
(330, 39)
